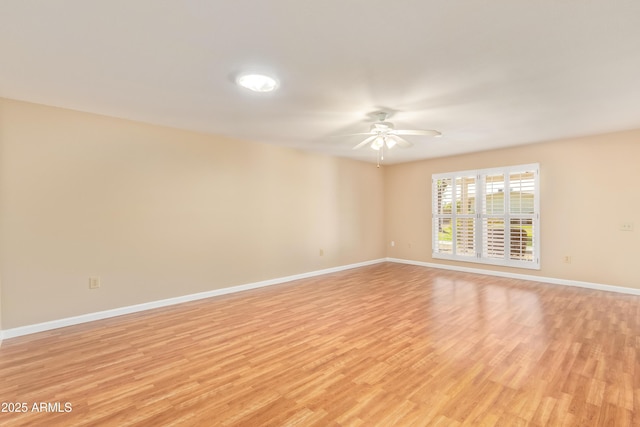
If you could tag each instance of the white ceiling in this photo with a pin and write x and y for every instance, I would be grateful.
(487, 74)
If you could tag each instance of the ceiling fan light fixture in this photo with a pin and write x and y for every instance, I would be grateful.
(257, 82)
(377, 143)
(390, 142)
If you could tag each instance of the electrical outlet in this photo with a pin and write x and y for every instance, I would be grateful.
(393, 243)
(566, 259)
(94, 282)
(321, 252)
(626, 226)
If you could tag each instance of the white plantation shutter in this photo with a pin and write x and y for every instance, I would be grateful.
(522, 214)
(492, 215)
(488, 216)
(464, 219)
(442, 217)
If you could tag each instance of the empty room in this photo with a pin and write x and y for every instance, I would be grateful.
(337, 213)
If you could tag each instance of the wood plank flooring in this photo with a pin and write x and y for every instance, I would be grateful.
(387, 344)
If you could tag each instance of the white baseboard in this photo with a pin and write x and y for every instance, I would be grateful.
(564, 282)
(60, 323)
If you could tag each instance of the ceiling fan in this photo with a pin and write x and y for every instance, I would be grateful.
(384, 135)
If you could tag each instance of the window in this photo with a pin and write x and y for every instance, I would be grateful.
(488, 216)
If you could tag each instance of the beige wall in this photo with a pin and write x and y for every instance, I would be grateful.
(158, 212)
(2, 127)
(589, 186)
(0, 307)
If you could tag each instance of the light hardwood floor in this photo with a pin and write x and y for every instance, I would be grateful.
(387, 344)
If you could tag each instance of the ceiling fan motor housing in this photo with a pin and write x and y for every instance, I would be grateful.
(381, 127)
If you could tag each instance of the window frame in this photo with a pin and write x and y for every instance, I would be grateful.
(479, 215)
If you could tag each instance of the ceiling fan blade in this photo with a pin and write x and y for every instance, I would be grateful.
(417, 132)
(401, 142)
(365, 142)
(354, 134)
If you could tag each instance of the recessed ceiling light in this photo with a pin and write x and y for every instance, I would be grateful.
(257, 82)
